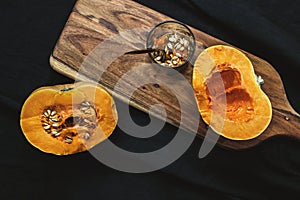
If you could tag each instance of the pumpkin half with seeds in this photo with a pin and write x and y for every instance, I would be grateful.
(228, 96)
(66, 119)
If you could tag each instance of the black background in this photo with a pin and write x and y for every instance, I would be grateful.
(29, 30)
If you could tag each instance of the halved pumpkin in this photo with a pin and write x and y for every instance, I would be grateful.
(228, 96)
(66, 119)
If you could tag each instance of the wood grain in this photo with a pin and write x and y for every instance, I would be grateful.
(99, 30)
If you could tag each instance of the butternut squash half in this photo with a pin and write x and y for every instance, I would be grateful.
(228, 96)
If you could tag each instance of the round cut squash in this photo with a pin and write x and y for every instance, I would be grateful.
(228, 97)
(67, 119)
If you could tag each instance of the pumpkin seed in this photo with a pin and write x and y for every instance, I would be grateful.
(57, 134)
(84, 108)
(54, 132)
(46, 114)
(68, 140)
(166, 49)
(185, 43)
(54, 120)
(87, 136)
(172, 38)
(55, 125)
(175, 58)
(158, 58)
(53, 113)
(87, 121)
(176, 37)
(87, 112)
(181, 41)
(177, 46)
(178, 55)
(86, 103)
(47, 127)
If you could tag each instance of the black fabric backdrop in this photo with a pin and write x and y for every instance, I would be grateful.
(29, 30)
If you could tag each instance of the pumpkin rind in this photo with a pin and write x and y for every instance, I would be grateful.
(228, 97)
(73, 136)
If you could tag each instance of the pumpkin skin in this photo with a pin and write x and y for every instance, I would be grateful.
(227, 95)
(67, 119)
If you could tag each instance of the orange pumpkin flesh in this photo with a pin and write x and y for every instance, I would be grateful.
(228, 97)
(66, 119)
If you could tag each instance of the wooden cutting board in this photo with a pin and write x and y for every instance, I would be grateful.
(98, 30)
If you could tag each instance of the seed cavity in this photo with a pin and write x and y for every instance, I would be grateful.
(54, 124)
(72, 121)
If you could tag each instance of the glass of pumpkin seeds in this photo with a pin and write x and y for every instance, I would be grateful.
(174, 44)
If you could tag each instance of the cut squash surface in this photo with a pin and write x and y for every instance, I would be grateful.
(67, 119)
(228, 97)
